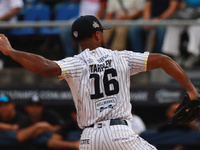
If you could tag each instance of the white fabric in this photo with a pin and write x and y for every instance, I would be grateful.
(117, 137)
(172, 40)
(100, 84)
(94, 76)
(137, 124)
(7, 5)
(89, 7)
(194, 40)
(113, 6)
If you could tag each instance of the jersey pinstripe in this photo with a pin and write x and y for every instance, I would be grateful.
(100, 82)
(117, 137)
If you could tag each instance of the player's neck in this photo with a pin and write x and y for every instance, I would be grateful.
(89, 44)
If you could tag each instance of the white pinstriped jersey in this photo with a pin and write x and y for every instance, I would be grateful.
(100, 82)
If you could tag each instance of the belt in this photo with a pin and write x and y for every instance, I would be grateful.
(112, 122)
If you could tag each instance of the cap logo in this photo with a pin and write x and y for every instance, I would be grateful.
(95, 24)
(75, 33)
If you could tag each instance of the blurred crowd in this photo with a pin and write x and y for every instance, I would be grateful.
(179, 42)
(36, 126)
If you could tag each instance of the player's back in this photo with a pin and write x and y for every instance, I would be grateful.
(101, 84)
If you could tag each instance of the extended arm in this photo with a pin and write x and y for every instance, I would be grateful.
(29, 133)
(170, 10)
(56, 141)
(147, 10)
(174, 70)
(101, 12)
(32, 62)
(6, 126)
(35, 130)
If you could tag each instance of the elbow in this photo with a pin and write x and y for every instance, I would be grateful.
(164, 61)
(20, 137)
(50, 69)
(158, 61)
(166, 58)
(45, 72)
(51, 144)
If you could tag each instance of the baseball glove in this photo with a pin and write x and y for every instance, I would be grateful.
(187, 111)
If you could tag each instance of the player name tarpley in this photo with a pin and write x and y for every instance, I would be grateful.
(100, 67)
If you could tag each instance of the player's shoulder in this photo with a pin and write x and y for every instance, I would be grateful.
(75, 59)
(114, 52)
(122, 53)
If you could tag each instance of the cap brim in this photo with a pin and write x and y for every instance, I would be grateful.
(106, 28)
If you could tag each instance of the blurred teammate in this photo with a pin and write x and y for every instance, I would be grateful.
(38, 122)
(10, 119)
(69, 134)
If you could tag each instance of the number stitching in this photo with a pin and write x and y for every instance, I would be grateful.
(106, 83)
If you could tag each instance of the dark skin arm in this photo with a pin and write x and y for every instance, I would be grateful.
(166, 14)
(147, 14)
(40, 65)
(147, 10)
(174, 70)
(57, 141)
(173, 6)
(35, 130)
(102, 9)
(32, 62)
(7, 127)
(12, 13)
(170, 10)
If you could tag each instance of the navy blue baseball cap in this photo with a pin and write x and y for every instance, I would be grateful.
(85, 26)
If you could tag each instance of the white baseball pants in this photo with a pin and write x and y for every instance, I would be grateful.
(116, 137)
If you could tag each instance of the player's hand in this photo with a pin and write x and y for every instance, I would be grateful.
(43, 125)
(15, 127)
(5, 46)
(76, 145)
(47, 126)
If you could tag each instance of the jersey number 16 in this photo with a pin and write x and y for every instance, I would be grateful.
(106, 83)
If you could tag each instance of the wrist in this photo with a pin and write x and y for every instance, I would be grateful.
(193, 94)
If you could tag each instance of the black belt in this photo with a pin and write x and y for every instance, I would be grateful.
(112, 122)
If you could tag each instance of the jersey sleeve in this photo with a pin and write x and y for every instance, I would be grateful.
(137, 61)
(70, 68)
